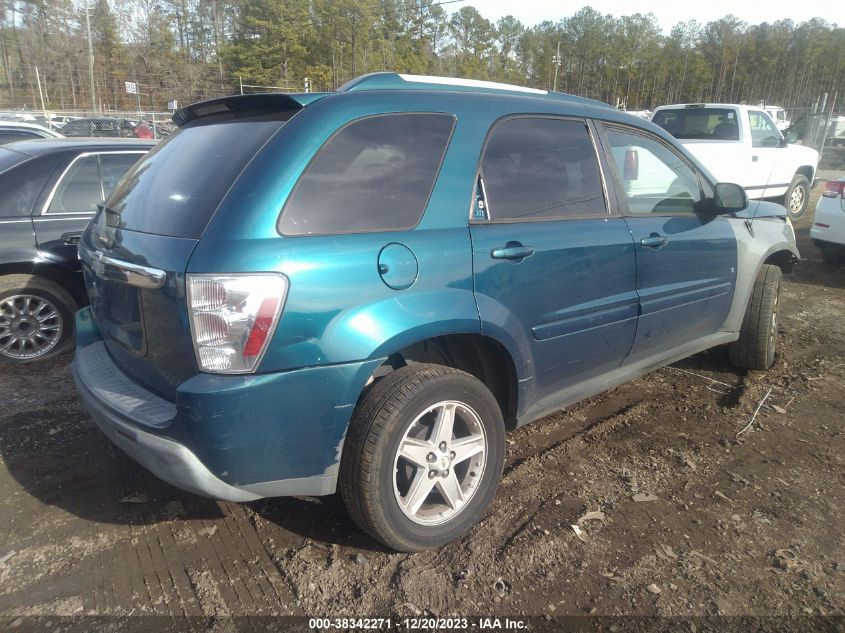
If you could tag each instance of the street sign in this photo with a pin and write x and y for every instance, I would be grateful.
(131, 87)
(172, 105)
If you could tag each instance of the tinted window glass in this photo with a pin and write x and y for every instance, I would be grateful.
(78, 128)
(708, 124)
(764, 133)
(375, 174)
(79, 190)
(654, 178)
(541, 168)
(113, 167)
(21, 185)
(175, 189)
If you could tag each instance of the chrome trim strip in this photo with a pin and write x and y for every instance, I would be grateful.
(113, 269)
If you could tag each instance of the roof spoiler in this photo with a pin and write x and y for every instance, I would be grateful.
(245, 105)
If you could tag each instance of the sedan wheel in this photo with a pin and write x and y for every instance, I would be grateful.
(36, 318)
(30, 326)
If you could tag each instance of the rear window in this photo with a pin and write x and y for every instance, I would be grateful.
(375, 174)
(10, 158)
(176, 188)
(10, 136)
(706, 124)
(21, 184)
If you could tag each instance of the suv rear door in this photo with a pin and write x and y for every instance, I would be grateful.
(548, 249)
(685, 260)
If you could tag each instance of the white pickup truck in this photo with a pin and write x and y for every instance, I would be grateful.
(741, 144)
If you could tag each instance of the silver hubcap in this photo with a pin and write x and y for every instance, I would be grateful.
(29, 326)
(796, 199)
(439, 463)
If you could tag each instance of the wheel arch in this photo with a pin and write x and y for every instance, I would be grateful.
(808, 171)
(481, 356)
(69, 280)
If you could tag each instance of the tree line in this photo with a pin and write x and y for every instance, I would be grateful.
(194, 49)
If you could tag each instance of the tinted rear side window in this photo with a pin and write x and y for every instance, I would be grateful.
(10, 136)
(702, 124)
(375, 174)
(21, 185)
(175, 189)
(541, 168)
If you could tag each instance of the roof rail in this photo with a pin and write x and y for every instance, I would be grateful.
(401, 81)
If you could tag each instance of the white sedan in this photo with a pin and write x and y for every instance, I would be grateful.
(828, 230)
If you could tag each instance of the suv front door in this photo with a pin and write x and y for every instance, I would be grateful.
(685, 260)
(550, 259)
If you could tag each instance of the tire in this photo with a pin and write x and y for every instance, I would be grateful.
(36, 319)
(797, 197)
(758, 337)
(376, 483)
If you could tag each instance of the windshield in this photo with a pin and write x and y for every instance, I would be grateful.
(176, 188)
(705, 124)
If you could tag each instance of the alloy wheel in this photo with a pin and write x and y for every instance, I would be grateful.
(439, 463)
(30, 326)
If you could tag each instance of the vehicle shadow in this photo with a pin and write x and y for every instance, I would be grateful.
(52, 449)
(812, 270)
(322, 520)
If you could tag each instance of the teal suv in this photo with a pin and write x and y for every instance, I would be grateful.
(361, 291)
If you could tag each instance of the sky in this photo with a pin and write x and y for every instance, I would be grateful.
(667, 12)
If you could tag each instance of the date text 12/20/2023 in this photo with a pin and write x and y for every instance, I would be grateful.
(418, 624)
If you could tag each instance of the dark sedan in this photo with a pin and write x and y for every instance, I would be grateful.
(49, 190)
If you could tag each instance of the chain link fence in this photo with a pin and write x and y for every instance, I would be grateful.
(108, 124)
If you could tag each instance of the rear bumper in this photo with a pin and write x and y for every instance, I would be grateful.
(166, 459)
(235, 438)
(829, 222)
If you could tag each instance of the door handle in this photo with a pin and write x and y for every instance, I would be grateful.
(754, 159)
(513, 250)
(72, 238)
(654, 241)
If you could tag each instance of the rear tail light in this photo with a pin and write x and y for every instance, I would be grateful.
(834, 189)
(233, 318)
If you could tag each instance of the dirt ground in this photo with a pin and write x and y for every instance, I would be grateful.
(729, 525)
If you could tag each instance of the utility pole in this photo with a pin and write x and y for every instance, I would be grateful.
(556, 60)
(90, 60)
(41, 95)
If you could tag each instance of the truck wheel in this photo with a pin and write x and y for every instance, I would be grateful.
(423, 457)
(758, 337)
(797, 197)
(36, 318)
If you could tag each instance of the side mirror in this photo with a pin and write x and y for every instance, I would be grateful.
(729, 198)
